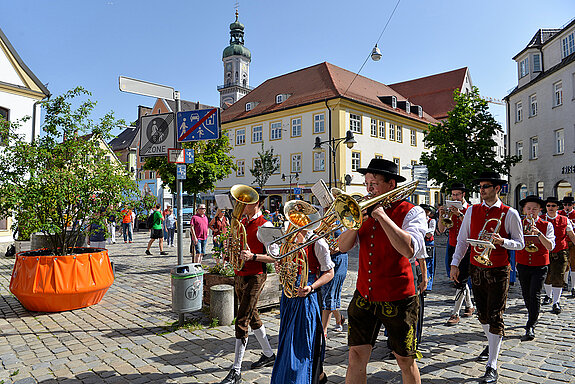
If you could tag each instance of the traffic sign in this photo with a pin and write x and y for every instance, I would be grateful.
(156, 134)
(199, 124)
(297, 191)
(189, 157)
(146, 88)
(181, 171)
(176, 155)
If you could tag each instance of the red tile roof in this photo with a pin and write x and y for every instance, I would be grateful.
(314, 84)
(434, 93)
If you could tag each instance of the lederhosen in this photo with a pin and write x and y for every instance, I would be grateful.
(249, 282)
(559, 254)
(490, 284)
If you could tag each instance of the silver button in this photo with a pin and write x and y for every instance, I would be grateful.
(369, 271)
(372, 236)
(369, 281)
(371, 245)
(371, 254)
(370, 288)
(370, 263)
(374, 227)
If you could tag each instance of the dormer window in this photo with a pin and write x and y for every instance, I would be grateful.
(524, 67)
(249, 106)
(407, 107)
(536, 62)
(279, 99)
(393, 102)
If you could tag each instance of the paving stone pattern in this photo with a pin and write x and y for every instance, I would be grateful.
(127, 339)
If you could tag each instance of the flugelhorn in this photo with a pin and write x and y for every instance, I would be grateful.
(528, 224)
(237, 242)
(483, 245)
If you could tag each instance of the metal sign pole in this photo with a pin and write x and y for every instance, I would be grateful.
(180, 207)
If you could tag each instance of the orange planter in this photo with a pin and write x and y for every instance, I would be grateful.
(61, 283)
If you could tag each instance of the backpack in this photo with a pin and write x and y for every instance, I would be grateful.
(150, 220)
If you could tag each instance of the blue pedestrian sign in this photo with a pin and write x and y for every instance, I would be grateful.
(189, 156)
(199, 124)
(297, 191)
(181, 171)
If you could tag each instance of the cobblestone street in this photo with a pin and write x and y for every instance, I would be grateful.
(127, 337)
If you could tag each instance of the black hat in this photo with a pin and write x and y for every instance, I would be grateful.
(458, 186)
(383, 167)
(553, 199)
(261, 194)
(534, 199)
(427, 207)
(568, 200)
(491, 177)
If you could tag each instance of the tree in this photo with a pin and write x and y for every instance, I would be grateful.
(463, 146)
(63, 178)
(265, 166)
(211, 164)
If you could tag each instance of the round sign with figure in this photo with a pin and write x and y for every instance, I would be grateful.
(157, 134)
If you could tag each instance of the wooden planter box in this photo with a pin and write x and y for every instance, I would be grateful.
(269, 297)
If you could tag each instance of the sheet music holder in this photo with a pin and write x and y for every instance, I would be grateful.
(223, 201)
(454, 203)
(322, 194)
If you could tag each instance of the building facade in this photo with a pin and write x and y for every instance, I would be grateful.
(541, 116)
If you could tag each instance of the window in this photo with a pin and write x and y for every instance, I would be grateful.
(559, 141)
(374, 127)
(355, 160)
(568, 45)
(558, 93)
(524, 67)
(534, 147)
(378, 156)
(296, 127)
(413, 162)
(279, 162)
(276, 130)
(354, 123)
(240, 136)
(319, 123)
(518, 111)
(413, 137)
(249, 107)
(533, 105)
(257, 134)
(296, 162)
(398, 134)
(393, 102)
(536, 62)
(519, 149)
(319, 161)
(4, 113)
(382, 129)
(391, 132)
(396, 161)
(279, 99)
(241, 168)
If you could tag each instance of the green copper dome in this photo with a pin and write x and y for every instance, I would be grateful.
(236, 46)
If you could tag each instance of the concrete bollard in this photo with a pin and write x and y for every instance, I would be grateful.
(222, 303)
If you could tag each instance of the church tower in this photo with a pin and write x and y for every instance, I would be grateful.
(236, 59)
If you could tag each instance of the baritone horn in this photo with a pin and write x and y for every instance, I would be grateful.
(483, 245)
(242, 195)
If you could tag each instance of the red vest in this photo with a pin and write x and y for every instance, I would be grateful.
(560, 227)
(383, 274)
(454, 231)
(253, 267)
(570, 216)
(535, 259)
(479, 215)
(312, 262)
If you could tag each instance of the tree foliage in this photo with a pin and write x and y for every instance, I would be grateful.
(63, 180)
(463, 146)
(211, 164)
(265, 166)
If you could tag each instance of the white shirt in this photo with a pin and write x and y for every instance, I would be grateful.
(430, 227)
(512, 226)
(569, 223)
(322, 253)
(272, 249)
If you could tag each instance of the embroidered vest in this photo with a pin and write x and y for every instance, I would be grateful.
(253, 267)
(535, 259)
(383, 274)
(479, 216)
(560, 228)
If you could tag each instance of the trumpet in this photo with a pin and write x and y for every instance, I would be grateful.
(243, 195)
(528, 224)
(484, 244)
(446, 220)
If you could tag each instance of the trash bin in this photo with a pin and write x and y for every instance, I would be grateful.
(187, 287)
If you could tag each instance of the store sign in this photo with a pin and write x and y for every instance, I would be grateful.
(568, 169)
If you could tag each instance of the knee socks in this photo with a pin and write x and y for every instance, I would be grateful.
(494, 348)
(262, 338)
(239, 354)
(547, 289)
(458, 301)
(468, 302)
(556, 291)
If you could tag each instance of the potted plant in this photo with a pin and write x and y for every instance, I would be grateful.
(57, 185)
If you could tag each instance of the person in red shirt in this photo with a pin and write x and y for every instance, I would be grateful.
(532, 264)
(559, 255)
(490, 283)
(389, 239)
(458, 193)
(569, 211)
(127, 224)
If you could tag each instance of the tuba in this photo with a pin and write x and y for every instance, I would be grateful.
(529, 223)
(484, 244)
(237, 242)
(298, 214)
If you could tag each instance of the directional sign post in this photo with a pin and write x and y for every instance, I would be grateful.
(200, 124)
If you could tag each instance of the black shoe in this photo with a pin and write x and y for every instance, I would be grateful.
(546, 300)
(264, 361)
(232, 377)
(163, 253)
(490, 376)
(484, 356)
(556, 309)
(323, 379)
(148, 252)
(529, 334)
(572, 292)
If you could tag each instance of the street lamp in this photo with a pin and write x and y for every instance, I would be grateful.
(375, 53)
(333, 143)
(291, 177)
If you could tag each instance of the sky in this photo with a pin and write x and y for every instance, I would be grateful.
(91, 43)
